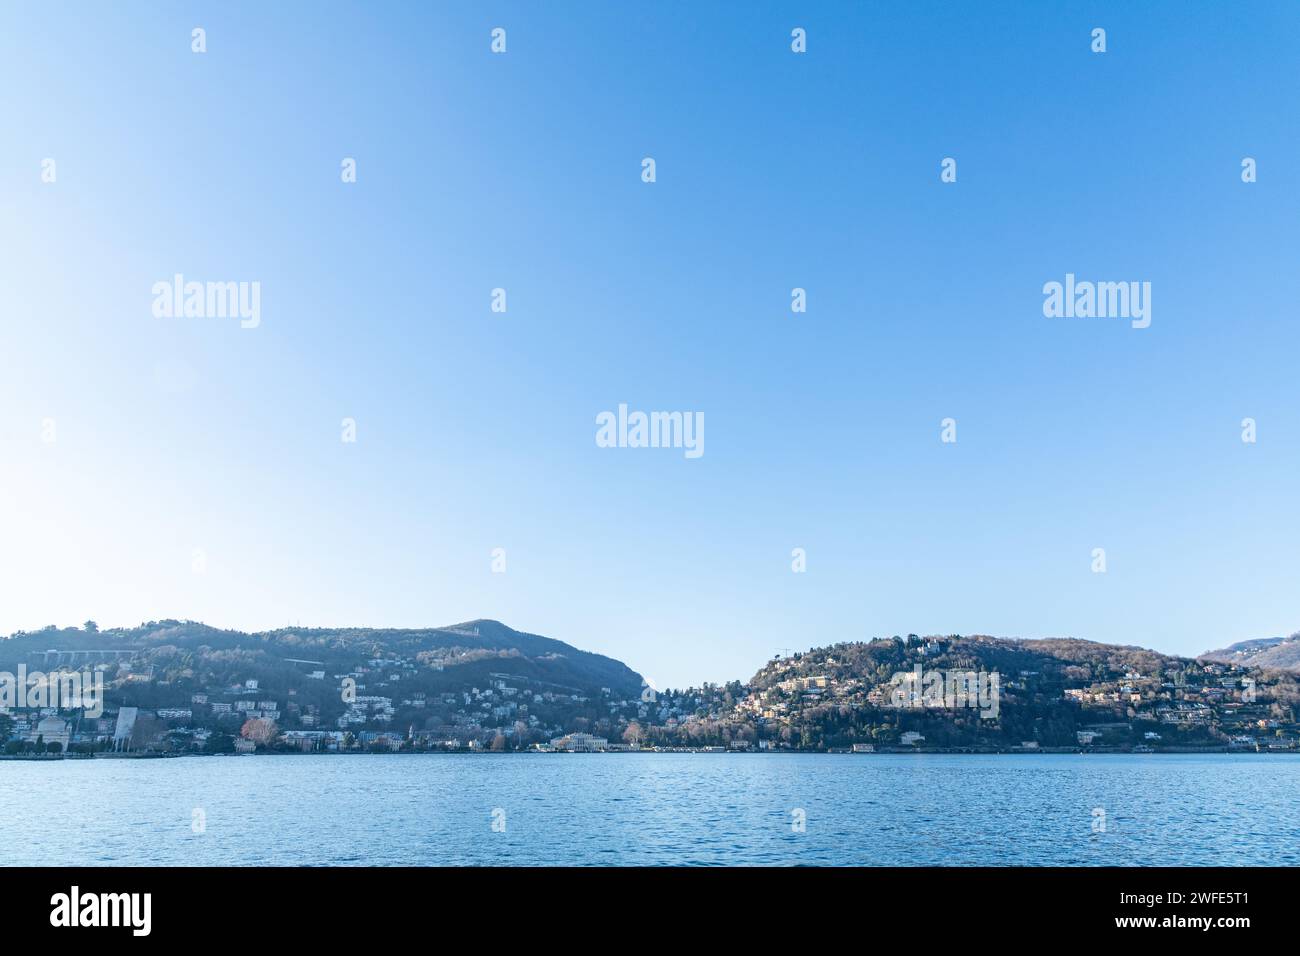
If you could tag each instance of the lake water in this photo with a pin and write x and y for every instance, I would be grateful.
(639, 809)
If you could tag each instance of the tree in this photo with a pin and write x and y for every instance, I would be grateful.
(633, 734)
(259, 730)
(91, 627)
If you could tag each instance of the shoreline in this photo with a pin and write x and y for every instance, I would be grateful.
(780, 753)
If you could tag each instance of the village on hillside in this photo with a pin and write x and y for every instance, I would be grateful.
(1062, 696)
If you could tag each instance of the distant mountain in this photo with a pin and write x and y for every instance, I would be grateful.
(1280, 653)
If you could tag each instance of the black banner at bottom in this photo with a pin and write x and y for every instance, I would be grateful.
(345, 906)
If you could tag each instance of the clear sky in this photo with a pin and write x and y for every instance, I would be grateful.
(774, 170)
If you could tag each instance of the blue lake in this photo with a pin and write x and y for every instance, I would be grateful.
(639, 809)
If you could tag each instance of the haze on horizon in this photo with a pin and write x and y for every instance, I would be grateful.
(197, 469)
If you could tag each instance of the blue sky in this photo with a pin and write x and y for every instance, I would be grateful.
(775, 170)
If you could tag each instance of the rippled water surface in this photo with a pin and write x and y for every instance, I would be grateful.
(655, 809)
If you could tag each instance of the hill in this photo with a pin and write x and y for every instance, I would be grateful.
(1281, 653)
(455, 656)
(480, 682)
(484, 685)
(985, 693)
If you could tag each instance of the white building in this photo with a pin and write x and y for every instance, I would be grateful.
(125, 727)
(50, 730)
(580, 743)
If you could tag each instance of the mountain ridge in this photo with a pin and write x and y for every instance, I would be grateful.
(482, 684)
(1281, 653)
(462, 645)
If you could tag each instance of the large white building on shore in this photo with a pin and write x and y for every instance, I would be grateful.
(580, 743)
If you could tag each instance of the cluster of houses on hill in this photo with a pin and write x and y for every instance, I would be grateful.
(1219, 699)
(824, 700)
(382, 703)
(1198, 705)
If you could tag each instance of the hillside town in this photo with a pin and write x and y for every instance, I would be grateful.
(858, 697)
(1052, 696)
(373, 714)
